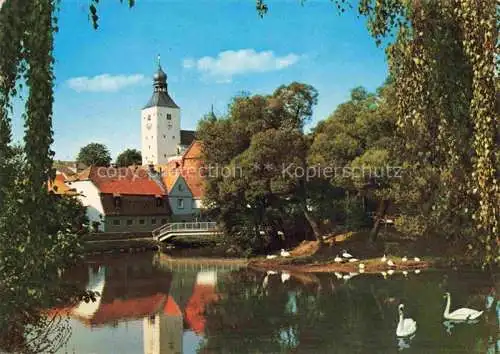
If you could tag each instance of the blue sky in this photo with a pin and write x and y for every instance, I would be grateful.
(210, 50)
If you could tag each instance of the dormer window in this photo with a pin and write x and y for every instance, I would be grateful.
(169, 116)
(149, 117)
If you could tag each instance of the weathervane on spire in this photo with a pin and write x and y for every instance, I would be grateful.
(159, 65)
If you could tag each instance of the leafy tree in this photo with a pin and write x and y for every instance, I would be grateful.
(94, 154)
(260, 137)
(444, 61)
(129, 157)
(355, 142)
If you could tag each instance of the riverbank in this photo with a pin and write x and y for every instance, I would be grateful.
(405, 255)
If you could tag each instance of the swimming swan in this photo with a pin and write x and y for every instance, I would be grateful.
(406, 326)
(462, 314)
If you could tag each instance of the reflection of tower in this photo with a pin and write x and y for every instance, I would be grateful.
(163, 330)
(97, 280)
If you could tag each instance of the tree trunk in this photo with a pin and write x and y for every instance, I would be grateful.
(382, 210)
(314, 226)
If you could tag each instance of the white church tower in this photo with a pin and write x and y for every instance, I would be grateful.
(160, 124)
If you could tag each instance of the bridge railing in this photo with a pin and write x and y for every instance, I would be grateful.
(185, 226)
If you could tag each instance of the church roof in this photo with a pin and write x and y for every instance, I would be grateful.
(161, 99)
(187, 137)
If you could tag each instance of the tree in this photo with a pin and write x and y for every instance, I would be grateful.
(444, 62)
(355, 141)
(260, 136)
(94, 154)
(129, 157)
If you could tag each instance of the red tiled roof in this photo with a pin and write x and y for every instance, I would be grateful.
(123, 180)
(194, 180)
(193, 151)
(58, 186)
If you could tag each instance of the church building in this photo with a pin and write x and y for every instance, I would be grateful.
(161, 136)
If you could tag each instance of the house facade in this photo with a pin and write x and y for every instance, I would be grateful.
(122, 199)
(180, 197)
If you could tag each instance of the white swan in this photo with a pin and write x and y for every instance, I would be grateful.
(337, 259)
(383, 259)
(352, 260)
(284, 253)
(384, 274)
(390, 263)
(416, 259)
(271, 256)
(406, 326)
(266, 278)
(346, 254)
(390, 272)
(361, 266)
(338, 275)
(462, 314)
(404, 259)
(417, 271)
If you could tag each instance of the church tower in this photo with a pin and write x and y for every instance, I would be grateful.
(160, 123)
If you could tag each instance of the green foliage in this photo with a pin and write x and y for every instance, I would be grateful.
(444, 66)
(94, 154)
(129, 157)
(260, 137)
(356, 217)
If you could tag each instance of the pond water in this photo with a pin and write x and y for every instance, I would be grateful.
(152, 305)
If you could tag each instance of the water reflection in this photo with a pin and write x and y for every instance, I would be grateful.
(150, 306)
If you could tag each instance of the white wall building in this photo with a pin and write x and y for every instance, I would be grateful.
(90, 197)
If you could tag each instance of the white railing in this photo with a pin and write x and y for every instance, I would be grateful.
(185, 226)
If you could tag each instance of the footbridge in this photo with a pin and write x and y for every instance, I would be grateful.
(201, 229)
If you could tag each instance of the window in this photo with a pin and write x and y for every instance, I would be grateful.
(180, 203)
(153, 221)
(149, 117)
(173, 137)
(149, 146)
(159, 202)
(116, 222)
(152, 319)
(164, 155)
(142, 221)
(130, 222)
(169, 116)
(164, 136)
(118, 202)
